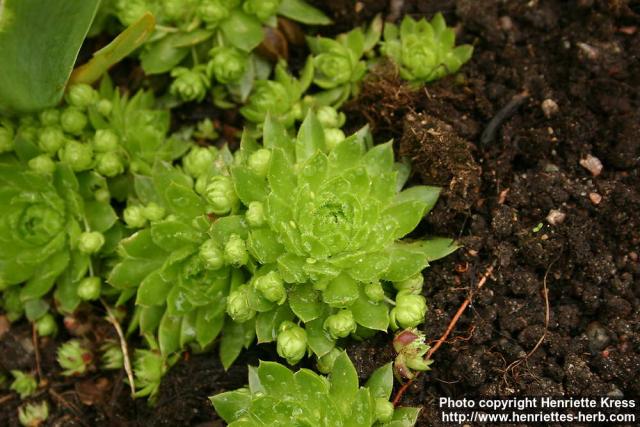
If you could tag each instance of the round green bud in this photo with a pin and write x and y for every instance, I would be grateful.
(255, 214)
(73, 120)
(134, 216)
(326, 362)
(50, 117)
(411, 285)
(90, 242)
(291, 342)
(6, 139)
(212, 11)
(154, 212)
(211, 254)
(374, 291)
(102, 195)
(51, 139)
(268, 96)
(329, 117)
(89, 288)
(235, 251)
(384, 410)
(82, 96)
(46, 325)
(201, 184)
(409, 311)
(227, 64)
(262, 9)
(199, 160)
(271, 287)
(175, 10)
(332, 69)
(333, 137)
(189, 85)
(42, 164)
(77, 155)
(259, 161)
(340, 325)
(104, 107)
(105, 140)
(221, 194)
(109, 164)
(238, 307)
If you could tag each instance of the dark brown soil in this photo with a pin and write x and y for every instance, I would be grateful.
(499, 191)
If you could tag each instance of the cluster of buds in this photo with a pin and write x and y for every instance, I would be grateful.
(411, 348)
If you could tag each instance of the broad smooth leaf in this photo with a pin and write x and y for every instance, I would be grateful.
(242, 30)
(310, 138)
(301, 11)
(305, 302)
(232, 404)
(380, 383)
(39, 43)
(231, 343)
(275, 378)
(370, 315)
(344, 383)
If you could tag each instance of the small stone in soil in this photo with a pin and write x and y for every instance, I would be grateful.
(549, 108)
(556, 217)
(592, 164)
(595, 198)
(598, 336)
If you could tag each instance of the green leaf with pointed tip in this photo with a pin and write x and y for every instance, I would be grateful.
(249, 186)
(380, 383)
(169, 334)
(405, 261)
(45, 276)
(264, 246)
(341, 291)
(404, 417)
(301, 11)
(242, 30)
(379, 160)
(208, 324)
(153, 290)
(150, 318)
(100, 216)
(183, 201)
(310, 138)
(305, 302)
(174, 234)
(361, 410)
(231, 343)
(423, 193)
(232, 405)
(39, 43)
(436, 247)
(267, 323)
(275, 379)
(344, 383)
(406, 215)
(369, 314)
(319, 340)
(282, 179)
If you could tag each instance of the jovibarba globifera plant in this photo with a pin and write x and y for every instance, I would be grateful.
(424, 50)
(323, 228)
(276, 396)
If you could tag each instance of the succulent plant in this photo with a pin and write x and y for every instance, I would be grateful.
(23, 383)
(74, 357)
(33, 414)
(277, 396)
(424, 50)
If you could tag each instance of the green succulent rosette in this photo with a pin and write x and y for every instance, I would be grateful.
(276, 396)
(183, 260)
(52, 231)
(424, 50)
(329, 233)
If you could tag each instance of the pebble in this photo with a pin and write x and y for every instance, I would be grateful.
(556, 217)
(549, 107)
(595, 198)
(598, 336)
(592, 164)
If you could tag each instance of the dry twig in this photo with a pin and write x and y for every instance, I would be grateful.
(123, 345)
